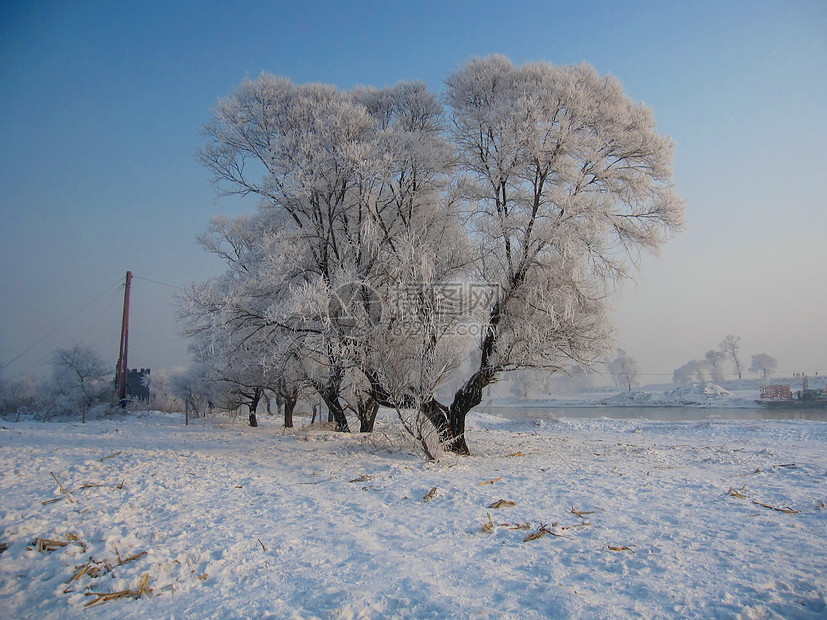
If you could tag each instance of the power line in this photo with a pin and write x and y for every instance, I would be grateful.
(108, 288)
(96, 298)
(180, 288)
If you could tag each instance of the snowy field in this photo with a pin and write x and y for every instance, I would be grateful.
(610, 519)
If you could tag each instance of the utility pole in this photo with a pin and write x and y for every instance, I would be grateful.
(123, 367)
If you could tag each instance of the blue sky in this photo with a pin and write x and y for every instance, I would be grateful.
(102, 103)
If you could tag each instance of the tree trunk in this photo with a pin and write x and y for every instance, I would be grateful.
(367, 410)
(437, 414)
(466, 398)
(289, 404)
(253, 405)
(470, 394)
(335, 410)
(459, 409)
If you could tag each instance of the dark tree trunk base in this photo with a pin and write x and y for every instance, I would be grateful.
(367, 415)
(335, 410)
(289, 404)
(466, 398)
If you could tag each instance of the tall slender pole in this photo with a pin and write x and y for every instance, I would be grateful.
(123, 365)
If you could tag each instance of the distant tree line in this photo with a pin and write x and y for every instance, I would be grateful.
(712, 366)
(81, 386)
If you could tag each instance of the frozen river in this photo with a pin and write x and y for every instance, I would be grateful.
(657, 413)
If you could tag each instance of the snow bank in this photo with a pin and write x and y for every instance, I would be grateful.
(698, 395)
(610, 518)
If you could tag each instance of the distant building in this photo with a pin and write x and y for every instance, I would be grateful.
(137, 383)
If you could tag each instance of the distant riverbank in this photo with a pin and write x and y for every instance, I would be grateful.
(671, 413)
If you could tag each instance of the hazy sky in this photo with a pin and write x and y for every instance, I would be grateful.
(102, 102)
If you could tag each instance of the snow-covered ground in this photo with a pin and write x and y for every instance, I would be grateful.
(610, 519)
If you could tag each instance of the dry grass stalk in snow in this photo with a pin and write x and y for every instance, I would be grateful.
(90, 485)
(502, 503)
(363, 478)
(542, 531)
(79, 573)
(131, 558)
(104, 597)
(581, 513)
(63, 490)
(739, 493)
(516, 526)
(47, 544)
(143, 586)
(784, 509)
(97, 569)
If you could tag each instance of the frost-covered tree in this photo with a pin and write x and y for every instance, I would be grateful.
(19, 395)
(236, 372)
(302, 150)
(565, 180)
(289, 385)
(420, 342)
(342, 179)
(243, 365)
(162, 397)
(731, 347)
(192, 386)
(557, 182)
(572, 380)
(80, 379)
(714, 361)
(689, 373)
(522, 384)
(764, 364)
(624, 369)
